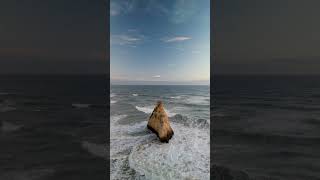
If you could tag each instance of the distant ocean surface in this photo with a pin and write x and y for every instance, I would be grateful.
(267, 126)
(53, 127)
(136, 152)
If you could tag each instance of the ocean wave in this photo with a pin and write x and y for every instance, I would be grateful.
(134, 94)
(198, 100)
(191, 122)
(149, 110)
(112, 95)
(191, 99)
(79, 105)
(115, 118)
(113, 101)
(7, 105)
(175, 97)
(99, 150)
(186, 156)
(9, 127)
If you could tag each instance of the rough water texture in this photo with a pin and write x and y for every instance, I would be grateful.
(268, 126)
(137, 153)
(53, 127)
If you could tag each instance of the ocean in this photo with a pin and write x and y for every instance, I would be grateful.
(53, 127)
(137, 153)
(267, 126)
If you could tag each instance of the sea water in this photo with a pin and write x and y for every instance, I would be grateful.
(267, 126)
(136, 152)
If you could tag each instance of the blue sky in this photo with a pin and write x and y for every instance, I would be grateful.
(160, 40)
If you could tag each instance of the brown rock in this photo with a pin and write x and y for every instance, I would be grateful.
(159, 123)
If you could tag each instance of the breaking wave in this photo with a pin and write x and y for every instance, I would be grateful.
(198, 100)
(175, 97)
(149, 110)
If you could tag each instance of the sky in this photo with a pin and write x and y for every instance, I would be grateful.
(53, 37)
(267, 37)
(160, 41)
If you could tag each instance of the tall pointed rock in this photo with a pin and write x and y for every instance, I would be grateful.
(159, 123)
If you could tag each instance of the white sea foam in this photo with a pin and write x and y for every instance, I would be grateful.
(149, 110)
(112, 101)
(175, 97)
(186, 156)
(79, 105)
(134, 94)
(198, 100)
(121, 143)
(112, 95)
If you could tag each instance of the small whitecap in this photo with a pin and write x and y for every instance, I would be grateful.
(79, 105)
(175, 97)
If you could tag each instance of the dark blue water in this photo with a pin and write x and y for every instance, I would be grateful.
(53, 127)
(268, 126)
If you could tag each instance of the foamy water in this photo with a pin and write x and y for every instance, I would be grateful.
(186, 156)
(137, 153)
(149, 109)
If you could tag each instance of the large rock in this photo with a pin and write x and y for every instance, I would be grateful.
(159, 123)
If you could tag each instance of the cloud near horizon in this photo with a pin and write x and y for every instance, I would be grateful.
(176, 39)
(156, 76)
(125, 39)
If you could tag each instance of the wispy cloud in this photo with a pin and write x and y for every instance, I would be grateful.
(124, 39)
(156, 76)
(132, 37)
(176, 39)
